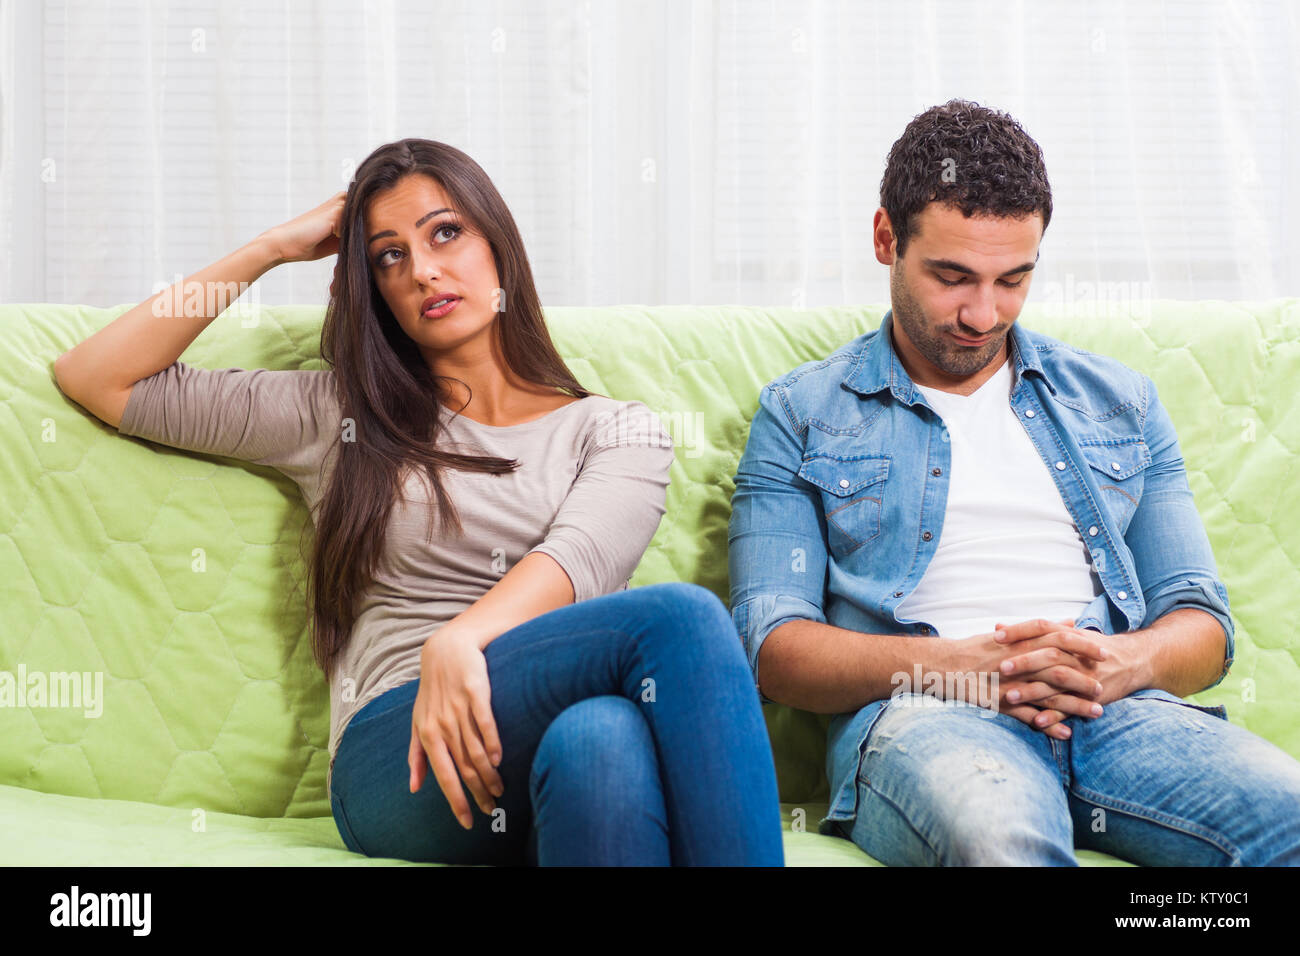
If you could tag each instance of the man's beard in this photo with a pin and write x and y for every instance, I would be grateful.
(940, 349)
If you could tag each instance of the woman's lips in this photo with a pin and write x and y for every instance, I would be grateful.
(440, 311)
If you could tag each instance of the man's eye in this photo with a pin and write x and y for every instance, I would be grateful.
(961, 279)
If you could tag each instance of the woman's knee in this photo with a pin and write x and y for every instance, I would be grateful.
(693, 599)
(693, 616)
(600, 739)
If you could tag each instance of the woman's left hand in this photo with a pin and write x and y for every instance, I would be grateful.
(452, 721)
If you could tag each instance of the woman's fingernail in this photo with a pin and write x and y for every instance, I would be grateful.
(1013, 695)
(1096, 710)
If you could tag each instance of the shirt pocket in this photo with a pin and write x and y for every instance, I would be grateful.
(1119, 465)
(851, 489)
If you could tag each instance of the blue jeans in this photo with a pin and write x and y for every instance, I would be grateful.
(631, 733)
(1154, 780)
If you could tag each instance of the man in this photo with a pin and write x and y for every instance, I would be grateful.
(954, 475)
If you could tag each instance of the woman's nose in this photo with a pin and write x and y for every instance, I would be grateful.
(427, 267)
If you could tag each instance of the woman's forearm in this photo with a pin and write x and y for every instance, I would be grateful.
(535, 585)
(151, 336)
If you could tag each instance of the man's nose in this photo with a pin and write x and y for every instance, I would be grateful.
(980, 313)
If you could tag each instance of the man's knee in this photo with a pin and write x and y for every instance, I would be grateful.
(970, 787)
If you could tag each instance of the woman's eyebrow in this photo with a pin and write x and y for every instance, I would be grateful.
(422, 220)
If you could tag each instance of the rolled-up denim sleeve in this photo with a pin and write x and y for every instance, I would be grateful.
(1171, 551)
(777, 537)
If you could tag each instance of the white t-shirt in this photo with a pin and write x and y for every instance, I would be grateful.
(1009, 550)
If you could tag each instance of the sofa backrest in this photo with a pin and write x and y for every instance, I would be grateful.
(168, 574)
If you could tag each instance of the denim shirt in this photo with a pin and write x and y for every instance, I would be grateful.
(842, 489)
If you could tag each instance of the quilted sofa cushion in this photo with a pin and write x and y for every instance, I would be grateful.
(176, 577)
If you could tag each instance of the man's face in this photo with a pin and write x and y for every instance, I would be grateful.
(957, 290)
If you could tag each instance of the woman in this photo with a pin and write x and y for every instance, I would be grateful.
(590, 724)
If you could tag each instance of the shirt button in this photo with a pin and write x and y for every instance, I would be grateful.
(1122, 595)
(936, 471)
(898, 594)
(925, 628)
(1092, 530)
(1029, 413)
(1114, 466)
(1060, 466)
(844, 482)
(926, 536)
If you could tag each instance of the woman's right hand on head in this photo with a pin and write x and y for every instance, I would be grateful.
(313, 235)
(452, 724)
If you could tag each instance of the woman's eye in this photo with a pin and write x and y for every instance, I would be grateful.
(449, 231)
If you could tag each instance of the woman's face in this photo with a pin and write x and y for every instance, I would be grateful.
(419, 251)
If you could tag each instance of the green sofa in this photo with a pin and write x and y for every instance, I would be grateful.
(176, 577)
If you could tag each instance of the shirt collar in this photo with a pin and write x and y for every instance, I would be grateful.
(877, 366)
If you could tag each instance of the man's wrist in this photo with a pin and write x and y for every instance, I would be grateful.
(1140, 654)
(946, 657)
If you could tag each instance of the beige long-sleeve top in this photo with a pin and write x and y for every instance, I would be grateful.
(589, 492)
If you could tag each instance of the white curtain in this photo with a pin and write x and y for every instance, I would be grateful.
(651, 152)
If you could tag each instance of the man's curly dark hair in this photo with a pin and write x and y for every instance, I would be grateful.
(961, 154)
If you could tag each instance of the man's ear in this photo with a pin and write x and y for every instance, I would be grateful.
(883, 238)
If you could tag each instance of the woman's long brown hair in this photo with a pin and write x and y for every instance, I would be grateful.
(389, 393)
